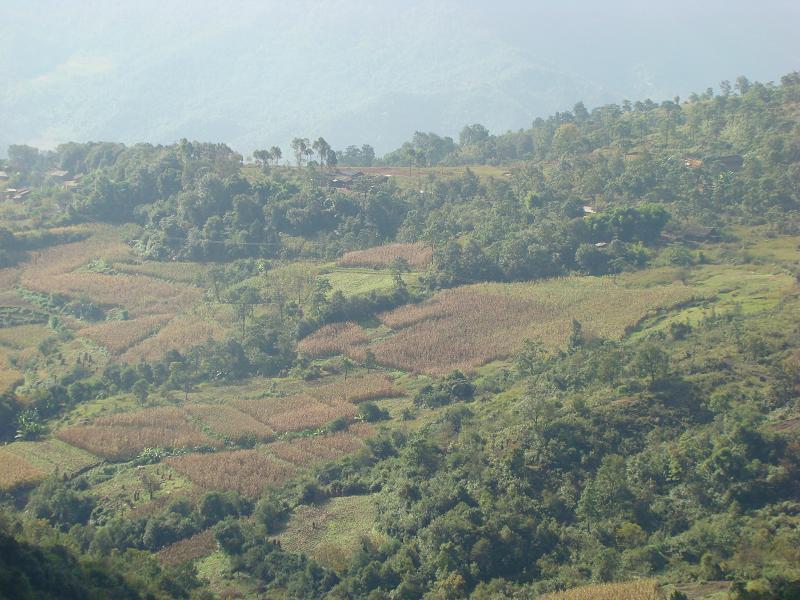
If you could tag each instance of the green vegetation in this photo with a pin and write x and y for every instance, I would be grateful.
(572, 364)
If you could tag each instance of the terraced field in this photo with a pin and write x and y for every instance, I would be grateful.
(24, 463)
(645, 589)
(439, 335)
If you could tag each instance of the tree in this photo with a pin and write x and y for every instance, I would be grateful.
(331, 159)
(651, 361)
(576, 338)
(229, 536)
(371, 412)
(367, 155)
(322, 148)
(244, 301)
(59, 503)
(141, 389)
(276, 154)
(150, 483)
(529, 358)
(742, 85)
(370, 362)
(300, 149)
(23, 158)
(473, 134)
(262, 157)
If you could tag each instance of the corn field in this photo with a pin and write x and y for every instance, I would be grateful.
(15, 471)
(418, 255)
(646, 589)
(246, 471)
(122, 437)
(468, 326)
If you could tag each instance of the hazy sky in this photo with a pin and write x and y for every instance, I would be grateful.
(255, 74)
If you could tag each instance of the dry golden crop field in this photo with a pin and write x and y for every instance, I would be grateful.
(645, 589)
(103, 243)
(181, 333)
(118, 336)
(124, 436)
(418, 256)
(357, 388)
(59, 269)
(468, 326)
(176, 271)
(246, 471)
(336, 338)
(8, 278)
(295, 413)
(139, 294)
(308, 450)
(199, 545)
(15, 471)
(230, 423)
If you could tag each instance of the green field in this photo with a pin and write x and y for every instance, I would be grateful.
(352, 282)
(331, 531)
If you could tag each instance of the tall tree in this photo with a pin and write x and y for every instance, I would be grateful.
(300, 149)
(276, 154)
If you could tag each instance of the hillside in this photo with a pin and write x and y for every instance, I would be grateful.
(259, 73)
(562, 362)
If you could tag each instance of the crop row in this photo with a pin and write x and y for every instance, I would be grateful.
(418, 255)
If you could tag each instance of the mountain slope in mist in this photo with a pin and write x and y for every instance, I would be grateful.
(255, 74)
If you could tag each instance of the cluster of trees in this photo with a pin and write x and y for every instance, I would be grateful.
(675, 478)
(303, 149)
(355, 156)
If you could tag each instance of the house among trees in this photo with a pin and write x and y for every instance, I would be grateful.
(17, 193)
(692, 163)
(58, 175)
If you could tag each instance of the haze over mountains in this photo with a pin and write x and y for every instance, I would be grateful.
(254, 74)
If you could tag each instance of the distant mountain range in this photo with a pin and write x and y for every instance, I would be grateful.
(254, 74)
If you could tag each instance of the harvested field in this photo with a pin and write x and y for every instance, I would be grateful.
(295, 413)
(646, 589)
(469, 326)
(319, 448)
(16, 471)
(230, 423)
(118, 336)
(199, 545)
(246, 471)
(336, 338)
(357, 388)
(122, 437)
(418, 255)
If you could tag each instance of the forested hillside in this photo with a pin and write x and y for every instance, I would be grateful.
(563, 358)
